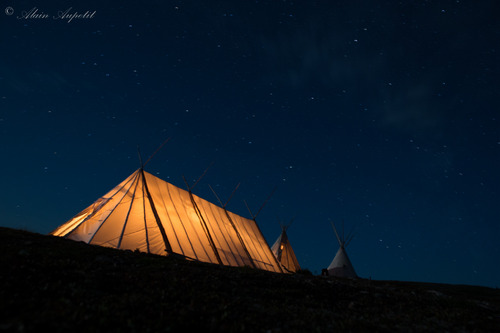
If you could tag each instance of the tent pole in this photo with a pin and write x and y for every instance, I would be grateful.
(336, 234)
(232, 194)
(202, 175)
(158, 149)
(251, 214)
(140, 157)
(265, 202)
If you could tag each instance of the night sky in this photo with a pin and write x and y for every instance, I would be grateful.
(383, 115)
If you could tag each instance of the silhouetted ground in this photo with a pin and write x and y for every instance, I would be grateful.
(53, 284)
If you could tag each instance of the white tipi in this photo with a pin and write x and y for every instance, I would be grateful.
(283, 252)
(341, 266)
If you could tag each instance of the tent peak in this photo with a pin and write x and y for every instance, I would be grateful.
(140, 157)
(284, 253)
(284, 226)
(341, 238)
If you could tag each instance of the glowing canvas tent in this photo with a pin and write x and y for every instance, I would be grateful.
(341, 266)
(148, 214)
(282, 249)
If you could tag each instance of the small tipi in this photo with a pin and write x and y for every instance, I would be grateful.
(341, 266)
(148, 214)
(283, 252)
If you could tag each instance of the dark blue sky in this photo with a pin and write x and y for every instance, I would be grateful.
(384, 115)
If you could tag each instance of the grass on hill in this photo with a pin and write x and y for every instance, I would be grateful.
(58, 285)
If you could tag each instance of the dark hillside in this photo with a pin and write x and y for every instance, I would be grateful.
(53, 284)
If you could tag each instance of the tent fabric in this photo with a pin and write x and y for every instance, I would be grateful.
(341, 265)
(283, 251)
(148, 214)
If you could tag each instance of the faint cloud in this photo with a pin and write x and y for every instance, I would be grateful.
(305, 56)
(410, 107)
(29, 81)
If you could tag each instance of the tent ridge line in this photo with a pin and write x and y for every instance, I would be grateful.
(145, 221)
(169, 218)
(254, 217)
(202, 220)
(239, 237)
(205, 228)
(222, 227)
(126, 218)
(68, 233)
(272, 255)
(168, 247)
(233, 225)
(280, 251)
(102, 223)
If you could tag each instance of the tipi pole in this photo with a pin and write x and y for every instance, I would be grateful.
(337, 234)
(158, 149)
(249, 210)
(202, 175)
(140, 157)
(265, 202)
(231, 196)
(349, 239)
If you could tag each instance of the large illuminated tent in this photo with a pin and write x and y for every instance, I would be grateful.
(148, 214)
(283, 251)
(341, 266)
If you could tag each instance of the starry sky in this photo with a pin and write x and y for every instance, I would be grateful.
(379, 115)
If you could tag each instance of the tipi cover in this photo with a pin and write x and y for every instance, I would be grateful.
(341, 266)
(148, 214)
(283, 251)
